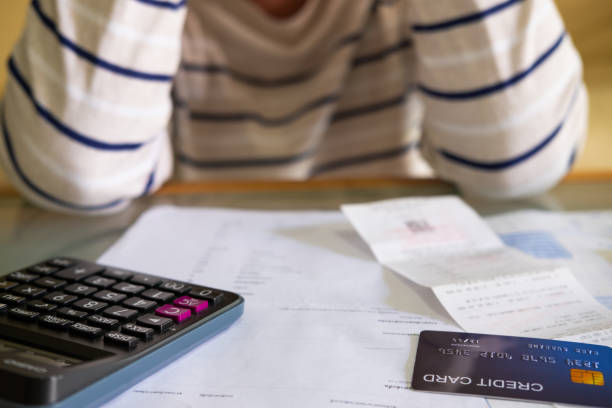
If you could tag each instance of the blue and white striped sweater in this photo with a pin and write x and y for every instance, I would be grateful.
(102, 96)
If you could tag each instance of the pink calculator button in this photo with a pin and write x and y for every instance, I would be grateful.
(178, 314)
(196, 305)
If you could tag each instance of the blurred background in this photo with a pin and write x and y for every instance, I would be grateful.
(588, 21)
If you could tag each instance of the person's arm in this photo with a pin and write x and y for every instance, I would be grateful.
(87, 102)
(505, 105)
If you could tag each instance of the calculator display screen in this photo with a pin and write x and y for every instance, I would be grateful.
(43, 356)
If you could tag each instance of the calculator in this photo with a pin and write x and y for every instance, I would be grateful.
(75, 333)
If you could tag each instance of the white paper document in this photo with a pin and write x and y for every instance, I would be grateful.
(307, 356)
(324, 325)
(582, 241)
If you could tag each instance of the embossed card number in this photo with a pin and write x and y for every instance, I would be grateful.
(514, 367)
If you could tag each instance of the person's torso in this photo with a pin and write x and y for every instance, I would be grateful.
(323, 93)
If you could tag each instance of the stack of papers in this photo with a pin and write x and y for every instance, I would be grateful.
(325, 323)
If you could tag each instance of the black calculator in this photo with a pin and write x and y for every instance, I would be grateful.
(75, 333)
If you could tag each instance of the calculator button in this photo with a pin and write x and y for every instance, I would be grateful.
(54, 322)
(5, 285)
(118, 274)
(22, 314)
(196, 305)
(80, 289)
(89, 305)
(41, 306)
(103, 322)
(178, 314)
(59, 297)
(159, 324)
(49, 283)
(145, 280)
(121, 313)
(129, 288)
(176, 287)
(21, 276)
(61, 262)
(12, 299)
(155, 294)
(29, 291)
(78, 272)
(99, 281)
(107, 295)
(144, 333)
(85, 330)
(43, 269)
(212, 296)
(120, 339)
(71, 313)
(3, 307)
(140, 304)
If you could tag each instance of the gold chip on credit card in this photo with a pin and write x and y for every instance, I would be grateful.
(587, 377)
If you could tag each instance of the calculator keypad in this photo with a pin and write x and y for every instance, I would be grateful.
(115, 273)
(145, 280)
(24, 277)
(29, 291)
(144, 333)
(80, 289)
(195, 305)
(157, 295)
(41, 306)
(140, 304)
(99, 281)
(90, 301)
(120, 312)
(124, 340)
(78, 272)
(60, 298)
(129, 288)
(178, 314)
(71, 313)
(61, 262)
(89, 305)
(22, 314)
(11, 299)
(81, 329)
(43, 269)
(210, 295)
(55, 322)
(103, 322)
(49, 283)
(159, 324)
(108, 296)
(6, 285)
(175, 287)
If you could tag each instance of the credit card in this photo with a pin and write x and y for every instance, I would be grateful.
(514, 367)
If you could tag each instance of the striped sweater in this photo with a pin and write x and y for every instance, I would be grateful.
(106, 100)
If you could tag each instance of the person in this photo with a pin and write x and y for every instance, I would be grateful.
(107, 99)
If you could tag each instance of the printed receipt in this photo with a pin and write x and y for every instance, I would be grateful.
(486, 287)
(539, 304)
(435, 241)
